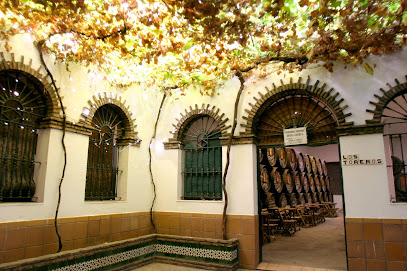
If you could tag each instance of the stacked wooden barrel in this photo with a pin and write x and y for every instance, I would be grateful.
(290, 178)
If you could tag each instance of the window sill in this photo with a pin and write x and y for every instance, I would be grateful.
(105, 201)
(31, 203)
(200, 201)
(398, 203)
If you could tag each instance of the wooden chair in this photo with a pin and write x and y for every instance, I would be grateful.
(318, 214)
(304, 218)
(267, 226)
(292, 214)
(288, 225)
(331, 210)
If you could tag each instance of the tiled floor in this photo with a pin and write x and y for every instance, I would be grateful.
(169, 267)
(262, 266)
(282, 267)
(321, 247)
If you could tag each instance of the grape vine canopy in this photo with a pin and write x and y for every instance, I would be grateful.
(176, 43)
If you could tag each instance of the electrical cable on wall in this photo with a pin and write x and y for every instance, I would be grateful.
(241, 79)
(39, 47)
(149, 162)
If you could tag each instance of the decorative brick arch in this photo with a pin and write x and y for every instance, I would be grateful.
(53, 108)
(192, 114)
(130, 134)
(327, 97)
(384, 99)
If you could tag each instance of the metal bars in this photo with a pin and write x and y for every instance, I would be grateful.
(394, 118)
(398, 148)
(18, 143)
(102, 169)
(22, 106)
(202, 173)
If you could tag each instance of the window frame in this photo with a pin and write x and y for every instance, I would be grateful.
(29, 107)
(207, 153)
(109, 169)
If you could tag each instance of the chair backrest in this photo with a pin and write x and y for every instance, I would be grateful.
(282, 214)
(264, 212)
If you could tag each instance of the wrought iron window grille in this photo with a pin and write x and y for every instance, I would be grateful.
(394, 118)
(103, 154)
(22, 107)
(202, 171)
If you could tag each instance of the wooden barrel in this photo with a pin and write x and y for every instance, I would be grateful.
(326, 196)
(317, 183)
(297, 181)
(291, 199)
(311, 182)
(308, 198)
(261, 155)
(287, 181)
(277, 183)
(313, 162)
(300, 198)
(319, 166)
(314, 196)
(270, 200)
(304, 182)
(282, 157)
(272, 156)
(281, 200)
(308, 166)
(322, 181)
(264, 178)
(300, 161)
(324, 168)
(327, 181)
(292, 158)
(320, 196)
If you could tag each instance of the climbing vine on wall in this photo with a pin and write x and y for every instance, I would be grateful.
(184, 42)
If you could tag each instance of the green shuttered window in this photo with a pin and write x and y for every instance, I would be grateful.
(202, 172)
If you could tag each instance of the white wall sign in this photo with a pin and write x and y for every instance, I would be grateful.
(295, 136)
(353, 160)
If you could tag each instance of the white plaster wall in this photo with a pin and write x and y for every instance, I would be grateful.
(241, 183)
(73, 187)
(354, 84)
(366, 189)
(339, 201)
(329, 153)
(78, 85)
(49, 176)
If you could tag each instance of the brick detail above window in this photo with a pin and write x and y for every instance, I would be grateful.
(130, 136)
(192, 114)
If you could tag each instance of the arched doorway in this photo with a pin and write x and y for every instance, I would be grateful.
(319, 114)
(294, 111)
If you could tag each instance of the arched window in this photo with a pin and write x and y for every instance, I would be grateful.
(394, 118)
(202, 172)
(102, 169)
(22, 107)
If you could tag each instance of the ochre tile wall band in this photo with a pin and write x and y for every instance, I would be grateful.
(376, 244)
(28, 239)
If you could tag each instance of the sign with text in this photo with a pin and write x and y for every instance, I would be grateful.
(353, 159)
(295, 136)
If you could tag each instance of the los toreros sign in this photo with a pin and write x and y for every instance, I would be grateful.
(354, 160)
